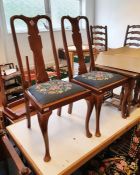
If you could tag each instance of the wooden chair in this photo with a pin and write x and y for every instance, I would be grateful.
(132, 39)
(46, 95)
(7, 150)
(98, 81)
(132, 36)
(99, 37)
(13, 107)
(11, 81)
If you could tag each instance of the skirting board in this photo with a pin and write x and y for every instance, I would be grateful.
(69, 147)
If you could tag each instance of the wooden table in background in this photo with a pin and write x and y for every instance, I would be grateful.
(73, 52)
(122, 60)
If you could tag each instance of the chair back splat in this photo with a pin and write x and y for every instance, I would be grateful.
(35, 45)
(46, 95)
(77, 40)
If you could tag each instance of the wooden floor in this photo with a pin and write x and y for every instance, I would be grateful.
(69, 147)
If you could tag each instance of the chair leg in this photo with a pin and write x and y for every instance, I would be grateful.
(98, 104)
(43, 123)
(59, 110)
(136, 92)
(121, 98)
(70, 108)
(27, 112)
(90, 104)
(126, 99)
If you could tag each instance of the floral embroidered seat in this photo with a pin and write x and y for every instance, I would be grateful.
(124, 165)
(99, 79)
(54, 90)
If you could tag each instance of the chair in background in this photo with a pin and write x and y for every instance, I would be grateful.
(7, 151)
(62, 57)
(99, 82)
(132, 39)
(11, 93)
(11, 80)
(46, 95)
(99, 37)
(132, 36)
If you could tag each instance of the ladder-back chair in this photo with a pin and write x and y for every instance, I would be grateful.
(132, 36)
(46, 95)
(98, 81)
(99, 37)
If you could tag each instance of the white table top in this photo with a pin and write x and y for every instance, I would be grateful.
(69, 147)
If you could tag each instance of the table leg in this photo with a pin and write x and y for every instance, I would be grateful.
(71, 55)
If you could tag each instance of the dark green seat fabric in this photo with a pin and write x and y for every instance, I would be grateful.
(86, 59)
(99, 79)
(54, 90)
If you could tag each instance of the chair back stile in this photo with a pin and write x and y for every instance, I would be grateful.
(77, 40)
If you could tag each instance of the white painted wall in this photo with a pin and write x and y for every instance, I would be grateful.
(7, 50)
(25, 51)
(117, 14)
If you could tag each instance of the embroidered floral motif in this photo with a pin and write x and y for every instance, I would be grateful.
(119, 166)
(97, 75)
(135, 142)
(54, 87)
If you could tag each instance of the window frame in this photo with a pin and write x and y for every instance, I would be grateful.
(47, 8)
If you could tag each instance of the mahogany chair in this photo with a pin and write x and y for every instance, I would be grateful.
(46, 95)
(132, 39)
(98, 81)
(99, 37)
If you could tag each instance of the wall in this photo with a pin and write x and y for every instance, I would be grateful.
(117, 14)
(7, 50)
(2, 37)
